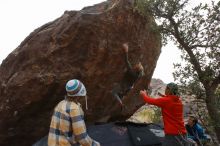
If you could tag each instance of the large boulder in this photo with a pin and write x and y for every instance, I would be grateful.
(83, 44)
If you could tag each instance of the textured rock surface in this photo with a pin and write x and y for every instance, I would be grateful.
(82, 44)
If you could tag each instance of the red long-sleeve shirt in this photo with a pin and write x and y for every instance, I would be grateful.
(172, 112)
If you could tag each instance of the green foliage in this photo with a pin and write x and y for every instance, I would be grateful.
(193, 88)
(199, 39)
(217, 91)
(141, 6)
(196, 32)
(106, 6)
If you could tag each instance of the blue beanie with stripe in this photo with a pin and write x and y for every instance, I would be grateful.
(75, 87)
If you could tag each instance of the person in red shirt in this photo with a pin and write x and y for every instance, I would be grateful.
(172, 112)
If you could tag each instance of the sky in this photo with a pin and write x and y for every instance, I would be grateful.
(20, 17)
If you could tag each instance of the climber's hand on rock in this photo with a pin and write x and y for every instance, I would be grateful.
(125, 47)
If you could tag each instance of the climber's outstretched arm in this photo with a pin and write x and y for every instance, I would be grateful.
(125, 49)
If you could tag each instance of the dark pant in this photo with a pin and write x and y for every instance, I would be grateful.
(117, 92)
(176, 140)
(120, 91)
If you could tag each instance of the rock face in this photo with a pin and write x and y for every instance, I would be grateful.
(82, 44)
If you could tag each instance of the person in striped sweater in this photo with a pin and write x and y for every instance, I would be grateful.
(67, 127)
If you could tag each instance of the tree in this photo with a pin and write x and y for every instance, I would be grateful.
(196, 32)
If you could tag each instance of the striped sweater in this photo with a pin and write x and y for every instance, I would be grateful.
(67, 126)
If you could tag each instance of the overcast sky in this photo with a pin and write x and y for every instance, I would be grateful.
(20, 17)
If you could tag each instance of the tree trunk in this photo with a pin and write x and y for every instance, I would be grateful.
(213, 110)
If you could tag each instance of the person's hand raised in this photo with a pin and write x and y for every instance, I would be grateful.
(143, 92)
(125, 47)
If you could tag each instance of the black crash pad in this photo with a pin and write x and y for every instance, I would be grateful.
(122, 134)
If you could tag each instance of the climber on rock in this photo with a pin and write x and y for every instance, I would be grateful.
(131, 75)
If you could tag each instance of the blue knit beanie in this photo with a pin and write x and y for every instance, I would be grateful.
(75, 88)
